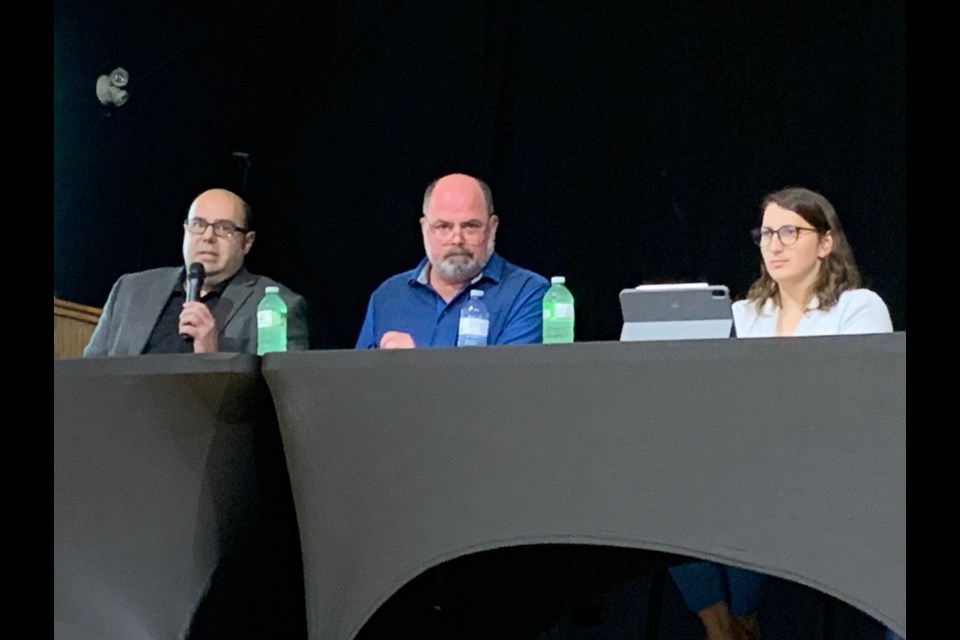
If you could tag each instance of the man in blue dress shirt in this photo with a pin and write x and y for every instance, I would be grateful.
(421, 307)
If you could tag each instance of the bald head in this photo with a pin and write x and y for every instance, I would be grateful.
(222, 200)
(459, 190)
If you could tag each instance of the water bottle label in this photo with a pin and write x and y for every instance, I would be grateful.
(562, 310)
(474, 327)
(267, 318)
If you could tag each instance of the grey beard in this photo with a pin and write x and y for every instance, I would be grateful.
(460, 268)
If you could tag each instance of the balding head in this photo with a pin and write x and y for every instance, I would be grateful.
(223, 199)
(457, 185)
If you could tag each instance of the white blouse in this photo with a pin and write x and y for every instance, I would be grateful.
(857, 311)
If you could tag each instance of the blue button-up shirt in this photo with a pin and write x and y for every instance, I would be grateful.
(406, 302)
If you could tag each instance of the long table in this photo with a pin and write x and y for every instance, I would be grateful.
(172, 514)
(786, 455)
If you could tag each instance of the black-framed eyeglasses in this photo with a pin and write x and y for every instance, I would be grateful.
(222, 228)
(788, 234)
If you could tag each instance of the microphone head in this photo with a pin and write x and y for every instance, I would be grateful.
(194, 281)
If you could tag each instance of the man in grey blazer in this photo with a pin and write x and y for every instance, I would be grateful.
(147, 312)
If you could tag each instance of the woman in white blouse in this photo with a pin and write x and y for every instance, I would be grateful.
(809, 285)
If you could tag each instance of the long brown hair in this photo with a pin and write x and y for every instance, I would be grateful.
(838, 270)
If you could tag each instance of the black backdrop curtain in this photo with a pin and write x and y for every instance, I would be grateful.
(624, 141)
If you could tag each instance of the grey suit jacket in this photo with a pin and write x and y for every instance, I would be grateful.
(137, 299)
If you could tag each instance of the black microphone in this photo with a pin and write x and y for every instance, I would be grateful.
(195, 275)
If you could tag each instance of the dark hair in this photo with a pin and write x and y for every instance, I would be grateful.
(484, 189)
(838, 271)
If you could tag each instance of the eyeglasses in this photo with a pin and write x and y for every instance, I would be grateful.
(470, 230)
(222, 228)
(788, 234)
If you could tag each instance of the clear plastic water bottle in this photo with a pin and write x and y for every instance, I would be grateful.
(474, 321)
(557, 312)
(271, 322)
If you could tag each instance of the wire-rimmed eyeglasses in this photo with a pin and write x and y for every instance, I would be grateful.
(470, 230)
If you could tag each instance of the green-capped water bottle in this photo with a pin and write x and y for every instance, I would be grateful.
(271, 322)
(557, 312)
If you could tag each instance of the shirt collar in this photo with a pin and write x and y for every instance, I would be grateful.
(771, 308)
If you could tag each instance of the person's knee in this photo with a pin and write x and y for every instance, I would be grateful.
(746, 588)
(700, 583)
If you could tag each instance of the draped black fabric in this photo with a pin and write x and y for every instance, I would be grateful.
(624, 141)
